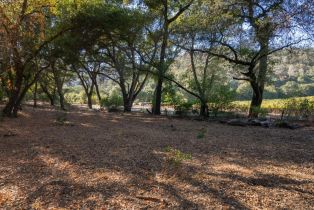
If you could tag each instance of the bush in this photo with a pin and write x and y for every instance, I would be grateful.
(221, 99)
(183, 107)
(112, 102)
(301, 109)
(74, 97)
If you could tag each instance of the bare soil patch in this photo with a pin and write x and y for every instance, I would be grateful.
(120, 161)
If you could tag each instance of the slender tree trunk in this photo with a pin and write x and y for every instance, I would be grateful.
(51, 96)
(61, 98)
(158, 94)
(60, 92)
(98, 92)
(89, 101)
(35, 95)
(52, 101)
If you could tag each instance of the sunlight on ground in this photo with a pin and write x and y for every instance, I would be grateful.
(81, 176)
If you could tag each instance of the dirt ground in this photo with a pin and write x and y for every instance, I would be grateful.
(101, 160)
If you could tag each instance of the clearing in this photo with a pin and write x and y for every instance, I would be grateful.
(102, 160)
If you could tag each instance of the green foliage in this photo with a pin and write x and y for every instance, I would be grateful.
(183, 107)
(301, 109)
(75, 97)
(293, 107)
(221, 99)
(113, 101)
(176, 157)
(171, 95)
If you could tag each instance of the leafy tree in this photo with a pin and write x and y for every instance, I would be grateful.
(27, 26)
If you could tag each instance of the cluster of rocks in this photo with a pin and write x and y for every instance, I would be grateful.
(263, 122)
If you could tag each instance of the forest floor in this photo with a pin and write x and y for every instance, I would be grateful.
(98, 160)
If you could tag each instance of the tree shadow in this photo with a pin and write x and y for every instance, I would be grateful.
(115, 144)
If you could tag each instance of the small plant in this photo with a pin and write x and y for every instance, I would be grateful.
(62, 119)
(261, 112)
(176, 157)
(201, 134)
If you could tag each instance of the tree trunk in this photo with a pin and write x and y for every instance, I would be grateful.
(158, 94)
(17, 105)
(60, 93)
(259, 84)
(51, 96)
(204, 109)
(256, 101)
(127, 104)
(89, 101)
(61, 97)
(11, 107)
(35, 95)
(97, 92)
(52, 101)
(8, 109)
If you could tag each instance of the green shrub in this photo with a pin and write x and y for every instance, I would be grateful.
(74, 97)
(113, 101)
(221, 99)
(183, 107)
(301, 109)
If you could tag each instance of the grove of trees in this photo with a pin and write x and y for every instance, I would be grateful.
(202, 47)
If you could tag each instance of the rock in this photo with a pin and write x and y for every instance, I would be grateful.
(285, 124)
(262, 119)
(237, 122)
(255, 122)
(281, 124)
(266, 124)
(295, 126)
(113, 109)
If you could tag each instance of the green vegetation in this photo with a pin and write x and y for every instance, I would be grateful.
(112, 102)
(291, 108)
(62, 119)
(273, 104)
(188, 54)
(176, 157)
